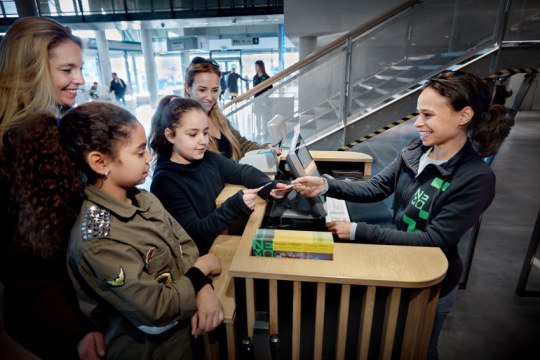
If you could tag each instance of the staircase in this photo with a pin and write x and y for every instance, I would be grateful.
(359, 83)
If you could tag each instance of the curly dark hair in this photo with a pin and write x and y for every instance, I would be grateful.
(45, 191)
(43, 164)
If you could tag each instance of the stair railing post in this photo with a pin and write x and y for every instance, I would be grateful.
(345, 104)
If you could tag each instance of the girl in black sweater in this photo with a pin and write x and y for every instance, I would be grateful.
(188, 179)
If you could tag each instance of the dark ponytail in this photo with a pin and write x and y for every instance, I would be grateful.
(490, 124)
(169, 113)
(489, 133)
(44, 163)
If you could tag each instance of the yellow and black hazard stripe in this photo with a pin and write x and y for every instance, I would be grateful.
(498, 74)
(510, 72)
(377, 132)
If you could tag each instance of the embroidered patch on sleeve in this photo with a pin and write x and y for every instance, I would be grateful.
(96, 222)
(164, 278)
(119, 281)
(149, 255)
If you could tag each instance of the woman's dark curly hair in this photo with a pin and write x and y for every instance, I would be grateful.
(43, 164)
(168, 115)
(45, 188)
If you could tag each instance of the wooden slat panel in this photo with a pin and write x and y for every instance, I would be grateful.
(415, 316)
(273, 292)
(368, 307)
(296, 321)
(231, 340)
(250, 306)
(319, 321)
(211, 347)
(390, 322)
(343, 319)
(427, 325)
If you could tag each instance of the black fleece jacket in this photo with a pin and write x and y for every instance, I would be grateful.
(433, 209)
(189, 194)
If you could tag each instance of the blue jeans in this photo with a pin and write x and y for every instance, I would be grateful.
(120, 97)
(443, 309)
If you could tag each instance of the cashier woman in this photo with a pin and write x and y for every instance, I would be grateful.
(441, 184)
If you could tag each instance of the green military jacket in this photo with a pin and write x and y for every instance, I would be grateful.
(127, 263)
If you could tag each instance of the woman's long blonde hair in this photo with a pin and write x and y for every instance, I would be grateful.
(216, 116)
(25, 82)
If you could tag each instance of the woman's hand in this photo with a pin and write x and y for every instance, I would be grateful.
(276, 148)
(250, 197)
(309, 186)
(341, 228)
(209, 264)
(91, 346)
(209, 312)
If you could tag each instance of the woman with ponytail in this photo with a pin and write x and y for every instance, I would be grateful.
(440, 182)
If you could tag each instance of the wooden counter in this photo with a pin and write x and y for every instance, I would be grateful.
(337, 158)
(355, 264)
(395, 274)
(224, 247)
(371, 266)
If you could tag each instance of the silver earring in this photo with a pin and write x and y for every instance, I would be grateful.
(106, 173)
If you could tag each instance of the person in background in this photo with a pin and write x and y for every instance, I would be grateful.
(188, 179)
(94, 91)
(202, 85)
(232, 82)
(246, 79)
(222, 87)
(40, 71)
(119, 87)
(440, 182)
(260, 76)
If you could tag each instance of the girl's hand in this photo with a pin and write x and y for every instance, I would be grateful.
(309, 186)
(209, 312)
(280, 191)
(250, 197)
(209, 264)
(91, 346)
(341, 228)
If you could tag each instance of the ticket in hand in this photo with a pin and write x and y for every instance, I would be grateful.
(265, 185)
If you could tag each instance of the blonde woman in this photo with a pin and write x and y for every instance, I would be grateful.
(40, 71)
(202, 85)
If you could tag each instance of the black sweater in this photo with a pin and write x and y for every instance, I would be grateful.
(189, 194)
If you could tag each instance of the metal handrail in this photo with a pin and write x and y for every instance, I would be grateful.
(314, 56)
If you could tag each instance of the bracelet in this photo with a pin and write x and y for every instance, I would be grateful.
(198, 279)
